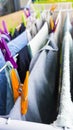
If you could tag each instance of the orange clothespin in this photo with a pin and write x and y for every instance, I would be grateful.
(15, 84)
(52, 26)
(20, 90)
(53, 7)
(24, 95)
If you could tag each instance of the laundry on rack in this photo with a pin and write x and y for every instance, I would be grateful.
(15, 46)
(18, 43)
(42, 79)
(40, 89)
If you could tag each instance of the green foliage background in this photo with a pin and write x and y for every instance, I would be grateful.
(51, 1)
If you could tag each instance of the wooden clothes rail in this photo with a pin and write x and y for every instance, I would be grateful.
(15, 19)
(11, 20)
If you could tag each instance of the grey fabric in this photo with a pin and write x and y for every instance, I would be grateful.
(15, 113)
(67, 24)
(42, 85)
(68, 27)
(65, 118)
(42, 81)
(39, 23)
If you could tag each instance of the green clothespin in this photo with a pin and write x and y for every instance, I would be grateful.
(24, 19)
(37, 12)
(12, 30)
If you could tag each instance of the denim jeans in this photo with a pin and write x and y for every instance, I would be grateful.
(15, 46)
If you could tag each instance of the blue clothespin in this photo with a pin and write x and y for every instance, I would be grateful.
(6, 52)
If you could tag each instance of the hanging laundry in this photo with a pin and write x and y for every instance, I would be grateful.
(65, 118)
(9, 95)
(41, 100)
(15, 46)
(22, 28)
(23, 61)
(39, 40)
(18, 43)
(16, 32)
(67, 24)
(42, 104)
(3, 86)
(39, 23)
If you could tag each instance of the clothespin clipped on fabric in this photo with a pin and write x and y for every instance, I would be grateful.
(27, 11)
(3, 34)
(38, 14)
(37, 11)
(6, 52)
(24, 20)
(20, 90)
(4, 26)
(24, 95)
(5, 29)
(52, 24)
(52, 9)
(12, 30)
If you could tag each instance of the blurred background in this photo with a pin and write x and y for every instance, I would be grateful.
(9, 6)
